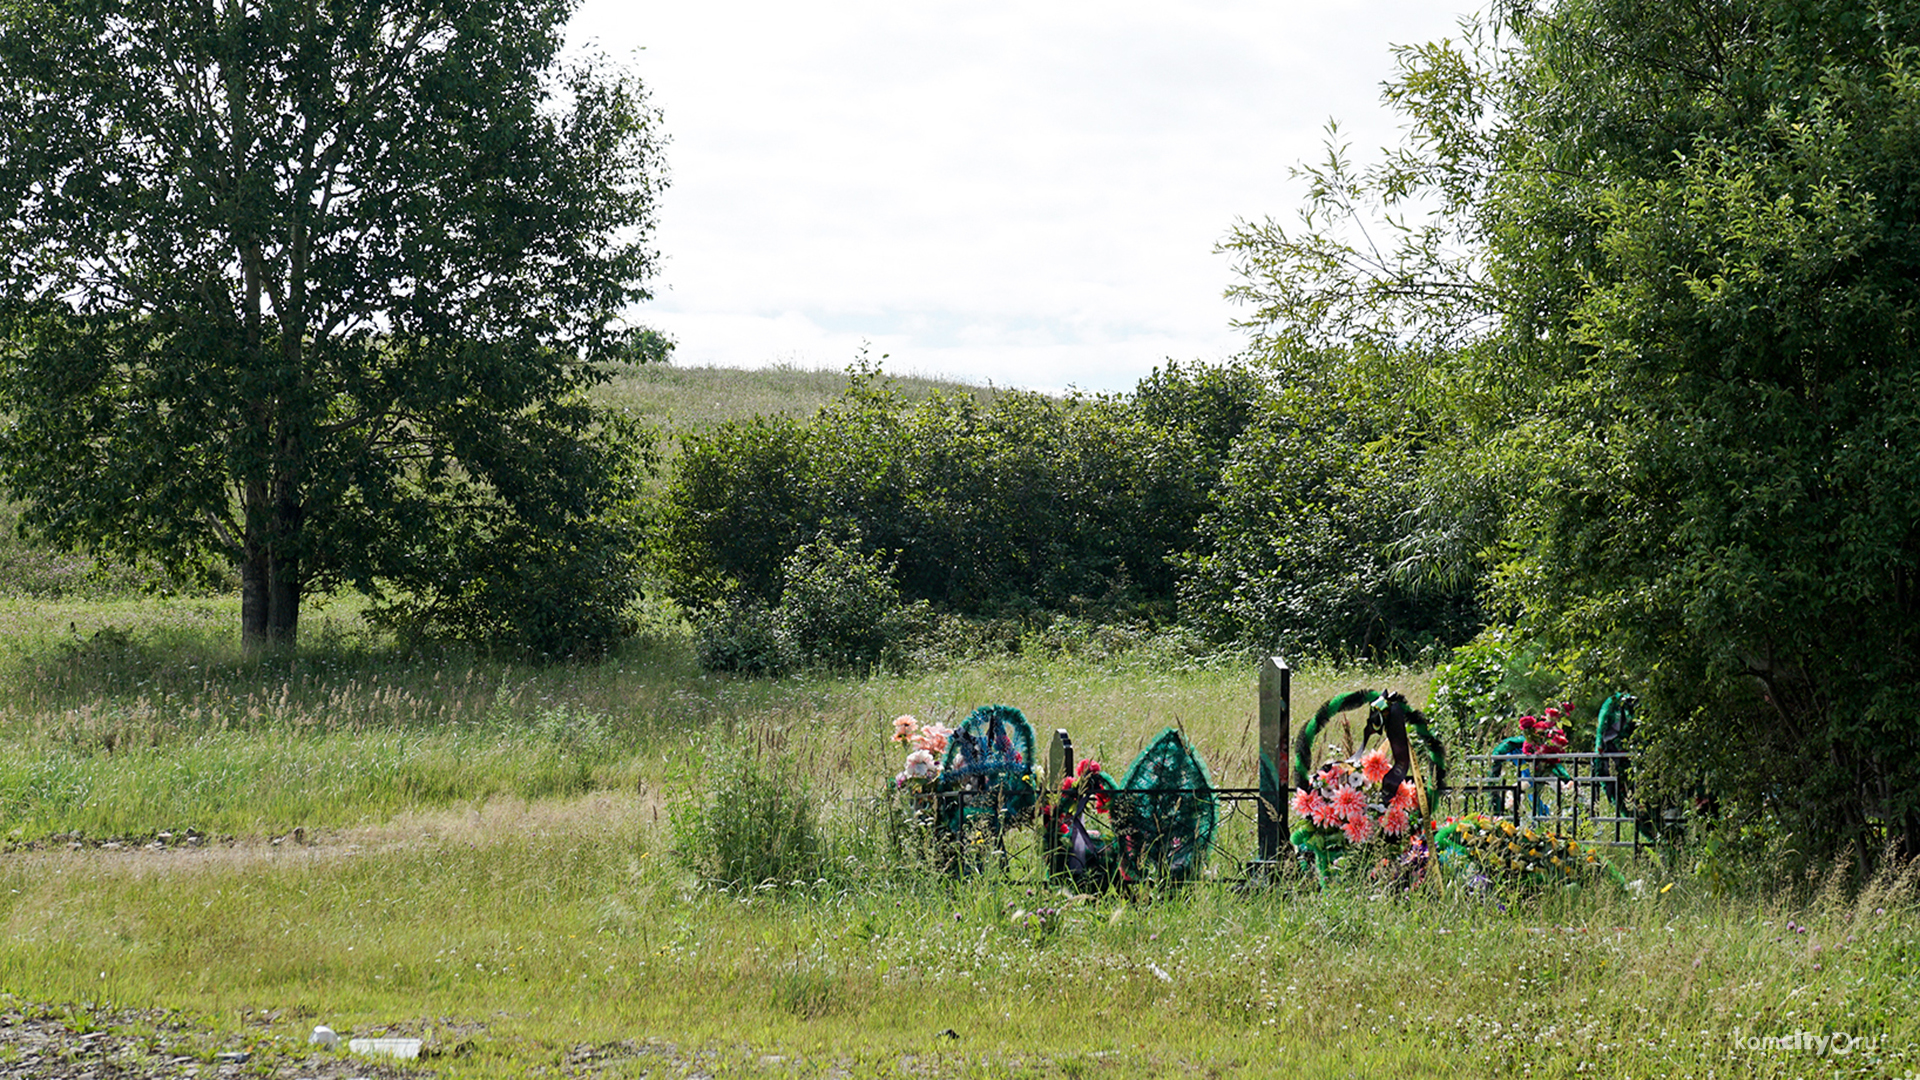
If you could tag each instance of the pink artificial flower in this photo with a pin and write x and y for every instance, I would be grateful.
(1085, 766)
(1553, 715)
(1394, 821)
(1376, 765)
(1406, 798)
(933, 738)
(903, 727)
(1349, 804)
(1527, 722)
(1308, 803)
(920, 765)
(1358, 829)
(1566, 709)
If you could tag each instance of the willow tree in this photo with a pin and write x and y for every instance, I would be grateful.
(315, 288)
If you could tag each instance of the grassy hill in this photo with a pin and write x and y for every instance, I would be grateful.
(678, 399)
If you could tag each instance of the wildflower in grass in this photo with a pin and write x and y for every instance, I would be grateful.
(1375, 766)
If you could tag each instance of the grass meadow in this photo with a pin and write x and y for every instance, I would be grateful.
(483, 855)
(680, 399)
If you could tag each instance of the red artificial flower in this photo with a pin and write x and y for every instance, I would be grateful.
(1358, 829)
(1350, 804)
(1394, 822)
(1406, 798)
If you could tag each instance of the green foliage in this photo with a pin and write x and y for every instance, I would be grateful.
(545, 561)
(314, 293)
(755, 822)
(735, 504)
(840, 608)
(742, 634)
(1486, 685)
(1672, 259)
(1302, 549)
(1019, 505)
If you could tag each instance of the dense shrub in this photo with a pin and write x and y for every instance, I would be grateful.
(1303, 549)
(840, 608)
(1028, 504)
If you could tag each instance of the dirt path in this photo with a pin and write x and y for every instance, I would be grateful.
(497, 820)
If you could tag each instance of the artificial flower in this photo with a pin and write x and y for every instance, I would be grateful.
(1406, 798)
(1349, 804)
(933, 738)
(903, 727)
(1306, 802)
(1376, 765)
(1394, 822)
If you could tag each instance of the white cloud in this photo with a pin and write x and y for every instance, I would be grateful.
(1028, 193)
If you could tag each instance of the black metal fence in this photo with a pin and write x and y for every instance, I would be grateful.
(1589, 796)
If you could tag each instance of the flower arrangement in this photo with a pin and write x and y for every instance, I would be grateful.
(923, 762)
(1089, 776)
(1344, 801)
(1501, 848)
(1545, 737)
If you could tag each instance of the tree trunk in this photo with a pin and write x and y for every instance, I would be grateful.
(283, 570)
(270, 581)
(253, 599)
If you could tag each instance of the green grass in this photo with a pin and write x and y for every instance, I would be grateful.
(681, 399)
(486, 861)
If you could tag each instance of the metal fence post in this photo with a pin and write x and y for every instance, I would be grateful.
(1276, 728)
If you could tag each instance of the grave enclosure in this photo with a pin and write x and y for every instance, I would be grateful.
(1246, 836)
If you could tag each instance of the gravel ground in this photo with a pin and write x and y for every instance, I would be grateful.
(72, 1042)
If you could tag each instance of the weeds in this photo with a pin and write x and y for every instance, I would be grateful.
(754, 825)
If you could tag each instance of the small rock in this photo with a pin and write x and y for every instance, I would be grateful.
(323, 1037)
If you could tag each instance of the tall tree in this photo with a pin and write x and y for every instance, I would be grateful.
(1678, 255)
(315, 287)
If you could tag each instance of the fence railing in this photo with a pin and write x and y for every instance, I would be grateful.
(1583, 795)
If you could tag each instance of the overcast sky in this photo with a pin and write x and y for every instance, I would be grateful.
(1023, 193)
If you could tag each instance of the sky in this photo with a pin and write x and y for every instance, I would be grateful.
(1026, 194)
